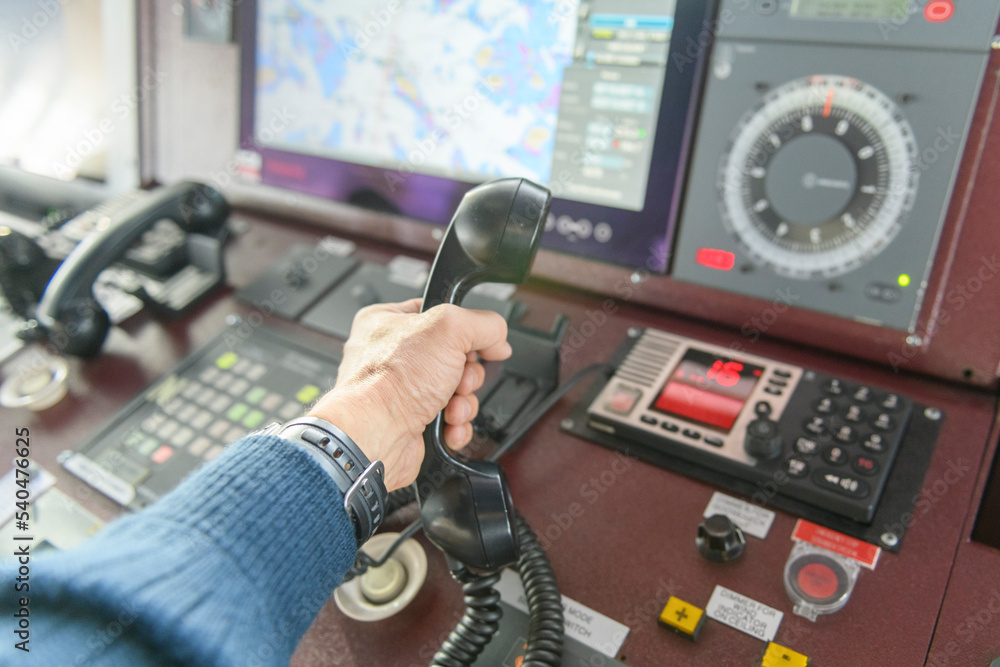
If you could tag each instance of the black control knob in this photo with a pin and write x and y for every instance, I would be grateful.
(763, 439)
(719, 539)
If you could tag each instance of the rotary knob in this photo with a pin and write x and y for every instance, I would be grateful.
(763, 439)
(719, 539)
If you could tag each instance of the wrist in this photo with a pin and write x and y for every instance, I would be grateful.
(360, 479)
(362, 418)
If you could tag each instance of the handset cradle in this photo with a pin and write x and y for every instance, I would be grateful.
(69, 314)
(465, 504)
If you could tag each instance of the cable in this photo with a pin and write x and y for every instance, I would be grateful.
(479, 623)
(546, 632)
(522, 425)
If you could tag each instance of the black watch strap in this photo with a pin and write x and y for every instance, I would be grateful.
(361, 481)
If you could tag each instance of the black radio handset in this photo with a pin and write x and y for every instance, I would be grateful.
(465, 503)
(68, 315)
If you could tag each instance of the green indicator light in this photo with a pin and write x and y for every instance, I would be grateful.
(903, 280)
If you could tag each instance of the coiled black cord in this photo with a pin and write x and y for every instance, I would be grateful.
(546, 631)
(479, 623)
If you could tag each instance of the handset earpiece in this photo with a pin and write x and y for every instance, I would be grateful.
(465, 504)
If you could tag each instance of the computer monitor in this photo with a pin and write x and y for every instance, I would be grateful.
(403, 106)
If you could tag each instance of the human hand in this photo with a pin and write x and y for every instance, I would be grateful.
(400, 369)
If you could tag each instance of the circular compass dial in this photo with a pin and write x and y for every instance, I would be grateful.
(819, 177)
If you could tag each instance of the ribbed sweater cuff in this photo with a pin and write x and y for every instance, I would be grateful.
(241, 556)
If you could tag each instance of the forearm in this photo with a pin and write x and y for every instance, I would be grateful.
(230, 568)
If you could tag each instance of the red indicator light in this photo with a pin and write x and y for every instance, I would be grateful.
(938, 11)
(715, 259)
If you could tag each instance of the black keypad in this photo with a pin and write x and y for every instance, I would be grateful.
(715, 442)
(840, 441)
(691, 433)
(646, 419)
(669, 427)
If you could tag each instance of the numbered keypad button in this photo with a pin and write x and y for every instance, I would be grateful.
(815, 426)
(825, 406)
(862, 394)
(865, 465)
(806, 447)
(891, 402)
(883, 422)
(845, 434)
(834, 387)
(854, 414)
(835, 456)
(875, 443)
(796, 468)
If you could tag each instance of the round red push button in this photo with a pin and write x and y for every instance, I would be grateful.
(938, 11)
(818, 581)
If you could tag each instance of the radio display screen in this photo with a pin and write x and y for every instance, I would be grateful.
(708, 389)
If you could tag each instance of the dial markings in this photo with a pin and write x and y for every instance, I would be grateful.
(874, 135)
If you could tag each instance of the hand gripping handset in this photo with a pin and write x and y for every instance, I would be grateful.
(465, 503)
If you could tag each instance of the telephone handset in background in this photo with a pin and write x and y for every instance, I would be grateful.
(186, 216)
(465, 504)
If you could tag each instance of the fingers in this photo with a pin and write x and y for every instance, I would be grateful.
(457, 436)
(482, 331)
(472, 378)
(409, 306)
(461, 409)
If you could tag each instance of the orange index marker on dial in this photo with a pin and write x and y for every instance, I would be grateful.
(829, 103)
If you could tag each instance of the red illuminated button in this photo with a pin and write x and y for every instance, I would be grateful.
(818, 581)
(714, 258)
(938, 11)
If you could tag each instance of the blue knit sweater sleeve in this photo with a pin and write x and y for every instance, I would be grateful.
(230, 568)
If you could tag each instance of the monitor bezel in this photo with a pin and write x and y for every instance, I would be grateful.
(642, 239)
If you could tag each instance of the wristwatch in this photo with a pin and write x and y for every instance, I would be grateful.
(361, 481)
